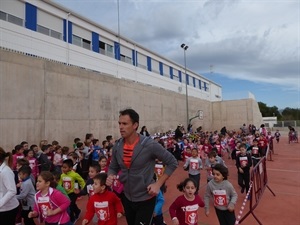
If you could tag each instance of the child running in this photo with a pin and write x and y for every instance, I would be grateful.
(194, 165)
(104, 203)
(50, 204)
(223, 194)
(184, 210)
(26, 196)
(103, 164)
(211, 160)
(67, 180)
(88, 188)
(243, 164)
(158, 218)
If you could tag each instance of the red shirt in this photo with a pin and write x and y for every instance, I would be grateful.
(206, 148)
(186, 211)
(128, 152)
(105, 205)
(262, 142)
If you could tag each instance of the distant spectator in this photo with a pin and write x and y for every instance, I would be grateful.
(144, 131)
(189, 128)
(178, 132)
(223, 130)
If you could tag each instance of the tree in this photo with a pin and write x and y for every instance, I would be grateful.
(286, 114)
(291, 114)
(267, 111)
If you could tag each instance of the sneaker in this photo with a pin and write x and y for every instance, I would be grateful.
(243, 190)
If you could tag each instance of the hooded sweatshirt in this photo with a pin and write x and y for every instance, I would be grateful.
(139, 175)
(53, 199)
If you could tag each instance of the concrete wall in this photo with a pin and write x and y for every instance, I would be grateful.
(41, 99)
(234, 113)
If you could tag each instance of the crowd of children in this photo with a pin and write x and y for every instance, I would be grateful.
(50, 178)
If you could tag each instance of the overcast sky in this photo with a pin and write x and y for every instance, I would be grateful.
(244, 45)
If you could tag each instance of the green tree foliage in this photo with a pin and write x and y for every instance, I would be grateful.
(267, 111)
(286, 114)
(291, 114)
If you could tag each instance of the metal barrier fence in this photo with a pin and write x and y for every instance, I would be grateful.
(259, 182)
(286, 123)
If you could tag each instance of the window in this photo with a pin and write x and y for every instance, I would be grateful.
(49, 32)
(55, 34)
(86, 44)
(3, 16)
(125, 58)
(15, 20)
(142, 66)
(11, 18)
(206, 86)
(175, 77)
(76, 40)
(110, 50)
(106, 49)
(43, 30)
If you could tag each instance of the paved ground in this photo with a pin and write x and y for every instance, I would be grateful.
(284, 180)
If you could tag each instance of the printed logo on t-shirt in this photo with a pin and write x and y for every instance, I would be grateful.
(254, 150)
(243, 161)
(102, 210)
(44, 205)
(159, 169)
(194, 164)
(32, 163)
(190, 214)
(67, 183)
(220, 198)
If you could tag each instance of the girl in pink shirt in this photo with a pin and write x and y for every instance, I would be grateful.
(50, 204)
(33, 163)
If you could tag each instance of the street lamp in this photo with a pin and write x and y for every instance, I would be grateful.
(185, 47)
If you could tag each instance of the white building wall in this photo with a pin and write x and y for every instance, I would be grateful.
(27, 41)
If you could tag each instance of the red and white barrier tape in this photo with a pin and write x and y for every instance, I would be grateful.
(237, 221)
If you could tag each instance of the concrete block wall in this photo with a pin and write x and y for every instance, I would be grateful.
(40, 99)
(234, 113)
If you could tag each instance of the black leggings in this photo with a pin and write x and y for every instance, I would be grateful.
(225, 217)
(139, 213)
(9, 217)
(74, 210)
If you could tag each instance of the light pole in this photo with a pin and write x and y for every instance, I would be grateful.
(185, 47)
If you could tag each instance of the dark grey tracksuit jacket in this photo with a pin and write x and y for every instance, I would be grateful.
(140, 174)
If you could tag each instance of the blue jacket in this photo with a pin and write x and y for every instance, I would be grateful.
(160, 200)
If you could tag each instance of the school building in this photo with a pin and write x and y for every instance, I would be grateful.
(63, 75)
